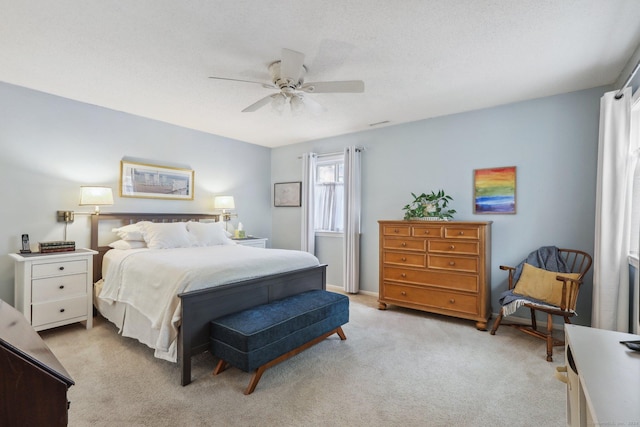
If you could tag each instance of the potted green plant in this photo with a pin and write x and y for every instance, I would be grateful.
(429, 206)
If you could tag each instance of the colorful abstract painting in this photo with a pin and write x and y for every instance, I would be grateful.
(495, 190)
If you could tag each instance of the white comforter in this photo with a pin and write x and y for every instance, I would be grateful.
(150, 280)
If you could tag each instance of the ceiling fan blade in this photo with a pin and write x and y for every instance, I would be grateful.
(291, 65)
(259, 104)
(265, 85)
(347, 86)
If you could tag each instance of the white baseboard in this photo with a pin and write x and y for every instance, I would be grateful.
(341, 289)
(542, 325)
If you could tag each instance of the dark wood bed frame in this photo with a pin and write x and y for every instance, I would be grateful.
(200, 307)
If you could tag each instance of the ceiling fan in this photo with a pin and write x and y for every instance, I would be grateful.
(287, 77)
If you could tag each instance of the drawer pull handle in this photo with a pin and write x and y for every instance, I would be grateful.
(404, 244)
(403, 275)
(403, 293)
(60, 268)
(452, 247)
(395, 230)
(461, 233)
(62, 310)
(404, 259)
(61, 286)
(426, 231)
(452, 301)
(452, 263)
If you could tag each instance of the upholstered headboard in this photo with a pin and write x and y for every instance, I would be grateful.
(119, 219)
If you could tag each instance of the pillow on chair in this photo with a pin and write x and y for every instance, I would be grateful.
(541, 284)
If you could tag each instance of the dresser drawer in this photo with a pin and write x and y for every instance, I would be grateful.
(461, 232)
(454, 247)
(430, 231)
(431, 298)
(396, 230)
(437, 279)
(60, 287)
(453, 263)
(405, 244)
(58, 311)
(403, 258)
(58, 268)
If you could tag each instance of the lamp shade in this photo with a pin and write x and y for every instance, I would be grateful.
(224, 202)
(96, 196)
(297, 104)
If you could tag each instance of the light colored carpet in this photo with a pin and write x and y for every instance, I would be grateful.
(397, 367)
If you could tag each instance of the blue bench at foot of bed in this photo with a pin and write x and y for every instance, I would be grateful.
(265, 335)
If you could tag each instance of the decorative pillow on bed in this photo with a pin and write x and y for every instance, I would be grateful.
(131, 231)
(128, 244)
(209, 233)
(541, 284)
(167, 235)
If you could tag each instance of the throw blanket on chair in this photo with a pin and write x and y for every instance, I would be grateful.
(548, 258)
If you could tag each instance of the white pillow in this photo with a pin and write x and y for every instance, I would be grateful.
(209, 234)
(131, 231)
(167, 235)
(128, 244)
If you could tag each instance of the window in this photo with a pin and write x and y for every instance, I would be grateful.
(329, 193)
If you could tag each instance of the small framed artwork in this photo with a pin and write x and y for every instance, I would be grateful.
(494, 190)
(155, 182)
(287, 194)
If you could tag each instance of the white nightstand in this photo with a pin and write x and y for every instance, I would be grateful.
(257, 242)
(54, 289)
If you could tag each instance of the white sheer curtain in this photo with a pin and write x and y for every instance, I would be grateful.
(352, 208)
(329, 213)
(307, 233)
(616, 166)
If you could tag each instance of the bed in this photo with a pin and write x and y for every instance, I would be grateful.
(197, 307)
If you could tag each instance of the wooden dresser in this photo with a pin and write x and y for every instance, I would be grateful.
(33, 383)
(437, 266)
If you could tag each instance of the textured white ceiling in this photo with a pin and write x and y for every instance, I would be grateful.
(418, 58)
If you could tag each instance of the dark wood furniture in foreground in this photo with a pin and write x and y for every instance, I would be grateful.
(200, 307)
(441, 267)
(33, 383)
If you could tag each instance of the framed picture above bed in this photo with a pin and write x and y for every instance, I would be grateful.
(287, 194)
(143, 180)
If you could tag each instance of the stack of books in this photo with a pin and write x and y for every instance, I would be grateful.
(57, 246)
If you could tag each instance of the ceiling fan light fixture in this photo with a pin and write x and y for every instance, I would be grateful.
(278, 102)
(297, 104)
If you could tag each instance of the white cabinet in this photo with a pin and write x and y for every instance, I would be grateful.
(258, 242)
(54, 289)
(603, 375)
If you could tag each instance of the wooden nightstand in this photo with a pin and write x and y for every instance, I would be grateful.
(54, 289)
(257, 242)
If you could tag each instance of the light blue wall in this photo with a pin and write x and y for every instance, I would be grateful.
(49, 146)
(552, 141)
